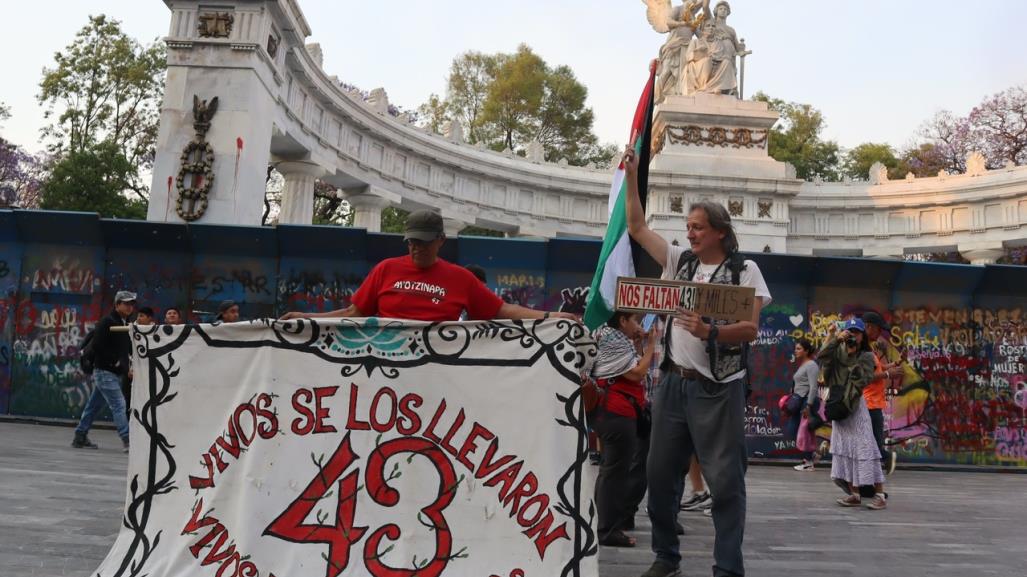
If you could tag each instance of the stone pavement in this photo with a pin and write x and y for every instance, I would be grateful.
(60, 509)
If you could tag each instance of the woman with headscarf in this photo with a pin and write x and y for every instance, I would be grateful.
(855, 459)
(620, 370)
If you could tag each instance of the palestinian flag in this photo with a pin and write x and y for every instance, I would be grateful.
(615, 259)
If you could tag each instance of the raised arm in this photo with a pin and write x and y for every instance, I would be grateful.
(517, 312)
(653, 243)
(350, 311)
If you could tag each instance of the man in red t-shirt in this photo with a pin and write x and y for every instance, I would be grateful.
(423, 287)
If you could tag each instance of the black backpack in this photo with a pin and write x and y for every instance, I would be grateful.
(87, 353)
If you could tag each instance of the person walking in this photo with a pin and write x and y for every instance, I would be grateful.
(849, 366)
(699, 406)
(805, 391)
(112, 352)
(620, 369)
(876, 392)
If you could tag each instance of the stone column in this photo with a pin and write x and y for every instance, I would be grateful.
(298, 194)
(367, 209)
(452, 227)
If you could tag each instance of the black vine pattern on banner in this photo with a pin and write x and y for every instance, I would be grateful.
(137, 513)
(570, 351)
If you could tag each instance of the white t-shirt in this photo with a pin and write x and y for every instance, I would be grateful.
(685, 349)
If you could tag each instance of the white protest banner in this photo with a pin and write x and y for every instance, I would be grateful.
(358, 447)
(717, 301)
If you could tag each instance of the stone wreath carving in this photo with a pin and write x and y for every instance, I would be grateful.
(716, 136)
(197, 164)
(764, 207)
(734, 207)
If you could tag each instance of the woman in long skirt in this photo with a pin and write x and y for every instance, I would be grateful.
(855, 458)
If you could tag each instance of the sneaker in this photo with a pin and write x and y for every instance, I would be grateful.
(708, 511)
(125, 443)
(878, 502)
(893, 458)
(81, 441)
(850, 501)
(804, 466)
(697, 502)
(658, 569)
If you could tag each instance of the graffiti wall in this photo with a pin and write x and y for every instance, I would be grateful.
(960, 332)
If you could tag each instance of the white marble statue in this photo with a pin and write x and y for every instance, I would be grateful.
(725, 71)
(702, 52)
(681, 23)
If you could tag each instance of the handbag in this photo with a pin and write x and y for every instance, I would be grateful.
(794, 404)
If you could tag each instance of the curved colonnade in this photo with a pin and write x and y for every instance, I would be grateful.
(278, 106)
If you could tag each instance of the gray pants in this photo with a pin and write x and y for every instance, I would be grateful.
(709, 419)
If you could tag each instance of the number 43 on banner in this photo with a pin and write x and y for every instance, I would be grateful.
(341, 536)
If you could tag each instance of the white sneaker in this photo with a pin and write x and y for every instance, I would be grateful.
(708, 512)
(698, 502)
(804, 466)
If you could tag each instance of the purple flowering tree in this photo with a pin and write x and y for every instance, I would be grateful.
(19, 173)
(998, 127)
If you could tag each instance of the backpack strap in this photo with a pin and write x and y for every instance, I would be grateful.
(736, 264)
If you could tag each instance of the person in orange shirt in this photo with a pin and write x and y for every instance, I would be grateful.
(874, 393)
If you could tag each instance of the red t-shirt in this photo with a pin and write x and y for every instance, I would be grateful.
(617, 392)
(397, 289)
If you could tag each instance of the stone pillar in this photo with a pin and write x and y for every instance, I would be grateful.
(452, 227)
(367, 209)
(982, 255)
(239, 73)
(298, 194)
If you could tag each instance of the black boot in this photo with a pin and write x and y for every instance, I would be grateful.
(81, 441)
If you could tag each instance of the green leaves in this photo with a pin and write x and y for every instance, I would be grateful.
(796, 139)
(105, 87)
(92, 179)
(505, 101)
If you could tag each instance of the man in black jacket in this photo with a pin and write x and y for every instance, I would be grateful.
(112, 353)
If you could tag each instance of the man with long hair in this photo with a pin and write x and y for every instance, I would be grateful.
(699, 406)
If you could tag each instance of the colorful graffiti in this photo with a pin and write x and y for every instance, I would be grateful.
(962, 397)
(59, 301)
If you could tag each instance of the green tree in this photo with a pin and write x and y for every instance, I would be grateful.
(467, 89)
(434, 114)
(796, 139)
(857, 161)
(394, 219)
(505, 101)
(93, 179)
(105, 87)
(514, 97)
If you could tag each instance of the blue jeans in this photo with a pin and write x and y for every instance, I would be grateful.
(707, 419)
(106, 387)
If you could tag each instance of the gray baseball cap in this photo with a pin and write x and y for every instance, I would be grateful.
(423, 225)
(124, 297)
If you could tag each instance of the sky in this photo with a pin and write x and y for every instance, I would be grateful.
(876, 68)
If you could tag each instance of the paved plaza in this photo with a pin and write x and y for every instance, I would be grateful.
(60, 510)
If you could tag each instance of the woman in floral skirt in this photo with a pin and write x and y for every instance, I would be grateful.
(855, 458)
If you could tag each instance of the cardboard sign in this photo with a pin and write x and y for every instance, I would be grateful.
(358, 448)
(717, 301)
